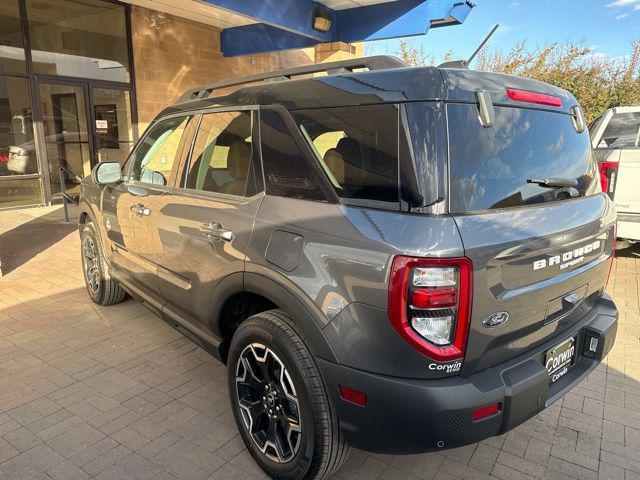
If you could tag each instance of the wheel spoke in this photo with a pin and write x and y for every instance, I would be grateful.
(254, 411)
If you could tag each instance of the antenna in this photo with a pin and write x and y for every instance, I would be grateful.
(466, 63)
(484, 42)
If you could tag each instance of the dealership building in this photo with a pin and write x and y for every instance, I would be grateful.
(81, 79)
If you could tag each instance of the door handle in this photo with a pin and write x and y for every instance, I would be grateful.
(216, 231)
(140, 209)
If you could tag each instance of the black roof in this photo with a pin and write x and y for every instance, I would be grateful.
(389, 81)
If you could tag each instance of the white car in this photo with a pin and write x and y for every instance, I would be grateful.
(615, 136)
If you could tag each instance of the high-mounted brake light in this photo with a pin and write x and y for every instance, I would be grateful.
(430, 304)
(608, 172)
(533, 97)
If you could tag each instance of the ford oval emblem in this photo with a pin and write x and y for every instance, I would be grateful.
(495, 319)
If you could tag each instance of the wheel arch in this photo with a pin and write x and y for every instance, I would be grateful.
(244, 295)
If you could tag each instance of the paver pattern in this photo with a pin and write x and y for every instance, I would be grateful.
(115, 393)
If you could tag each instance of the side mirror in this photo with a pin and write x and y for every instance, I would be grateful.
(107, 172)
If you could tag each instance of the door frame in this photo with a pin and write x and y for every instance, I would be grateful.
(87, 86)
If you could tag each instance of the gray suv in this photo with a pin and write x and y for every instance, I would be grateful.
(398, 259)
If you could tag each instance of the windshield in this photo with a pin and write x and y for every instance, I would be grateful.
(498, 167)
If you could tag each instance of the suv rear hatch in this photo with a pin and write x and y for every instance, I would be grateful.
(540, 251)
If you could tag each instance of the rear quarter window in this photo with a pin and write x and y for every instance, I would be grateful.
(357, 147)
(490, 167)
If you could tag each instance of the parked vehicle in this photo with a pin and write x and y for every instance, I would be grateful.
(397, 259)
(615, 136)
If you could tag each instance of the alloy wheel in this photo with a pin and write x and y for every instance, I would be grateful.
(90, 261)
(268, 403)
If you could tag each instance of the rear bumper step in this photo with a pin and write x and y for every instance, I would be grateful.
(405, 416)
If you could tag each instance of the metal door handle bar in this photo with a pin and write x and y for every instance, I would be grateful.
(217, 231)
(140, 210)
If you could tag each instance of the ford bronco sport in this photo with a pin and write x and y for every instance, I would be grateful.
(397, 259)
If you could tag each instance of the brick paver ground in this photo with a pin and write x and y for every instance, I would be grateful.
(115, 393)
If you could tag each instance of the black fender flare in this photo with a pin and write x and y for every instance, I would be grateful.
(299, 307)
(270, 285)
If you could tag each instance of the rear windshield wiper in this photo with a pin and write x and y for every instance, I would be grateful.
(554, 182)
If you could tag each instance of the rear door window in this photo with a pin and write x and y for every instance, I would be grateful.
(492, 168)
(222, 154)
(357, 148)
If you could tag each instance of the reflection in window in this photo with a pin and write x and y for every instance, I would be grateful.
(19, 192)
(11, 47)
(81, 38)
(221, 156)
(17, 148)
(154, 157)
(623, 131)
(358, 149)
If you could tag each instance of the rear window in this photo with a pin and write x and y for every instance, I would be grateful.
(357, 148)
(490, 167)
(623, 131)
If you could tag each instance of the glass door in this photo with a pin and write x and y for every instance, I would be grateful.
(66, 134)
(114, 128)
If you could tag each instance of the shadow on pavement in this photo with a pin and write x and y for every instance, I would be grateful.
(25, 241)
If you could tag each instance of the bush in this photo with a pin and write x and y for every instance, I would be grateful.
(598, 82)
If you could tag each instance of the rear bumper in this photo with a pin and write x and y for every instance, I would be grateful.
(629, 226)
(413, 416)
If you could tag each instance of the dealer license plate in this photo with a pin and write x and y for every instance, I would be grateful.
(559, 359)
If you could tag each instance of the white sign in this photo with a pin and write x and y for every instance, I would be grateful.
(102, 124)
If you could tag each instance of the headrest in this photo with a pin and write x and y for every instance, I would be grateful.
(238, 160)
(335, 162)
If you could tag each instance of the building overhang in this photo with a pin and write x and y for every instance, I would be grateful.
(257, 26)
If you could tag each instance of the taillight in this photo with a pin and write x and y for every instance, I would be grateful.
(613, 253)
(533, 97)
(430, 304)
(608, 172)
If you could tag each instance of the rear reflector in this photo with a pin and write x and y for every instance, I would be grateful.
(353, 396)
(484, 412)
(533, 97)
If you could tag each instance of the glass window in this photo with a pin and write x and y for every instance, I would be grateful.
(114, 127)
(20, 191)
(80, 38)
(623, 131)
(11, 46)
(221, 158)
(492, 167)
(153, 160)
(287, 172)
(17, 148)
(358, 149)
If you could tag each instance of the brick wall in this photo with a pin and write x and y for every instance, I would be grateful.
(173, 54)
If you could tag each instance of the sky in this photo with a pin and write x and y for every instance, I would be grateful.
(606, 26)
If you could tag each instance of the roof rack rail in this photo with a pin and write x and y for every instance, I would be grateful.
(378, 62)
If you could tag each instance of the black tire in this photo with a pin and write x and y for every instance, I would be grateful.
(321, 446)
(102, 289)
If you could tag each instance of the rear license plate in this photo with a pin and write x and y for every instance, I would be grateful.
(559, 359)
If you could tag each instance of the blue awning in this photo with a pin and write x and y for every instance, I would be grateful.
(287, 24)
